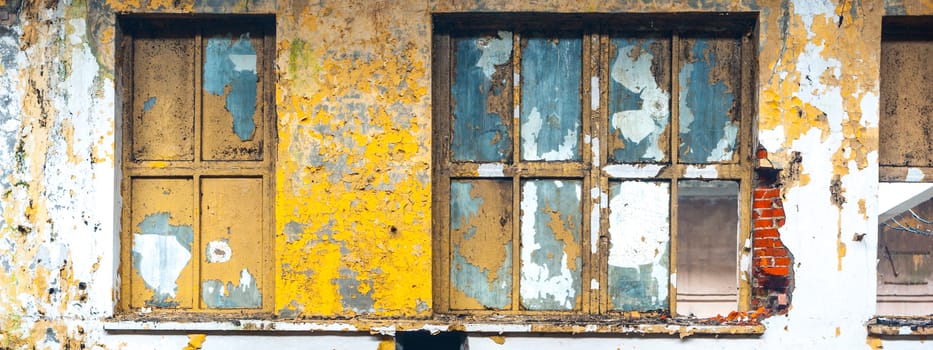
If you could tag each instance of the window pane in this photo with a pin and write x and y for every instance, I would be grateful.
(551, 250)
(162, 225)
(639, 241)
(906, 98)
(232, 94)
(707, 239)
(639, 100)
(163, 94)
(481, 244)
(481, 95)
(708, 104)
(905, 246)
(550, 104)
(231, 241)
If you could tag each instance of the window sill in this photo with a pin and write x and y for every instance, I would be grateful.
(677, 327)
(901, 326)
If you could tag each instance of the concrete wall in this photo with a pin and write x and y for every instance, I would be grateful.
(353, 109)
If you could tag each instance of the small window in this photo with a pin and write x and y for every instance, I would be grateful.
(905, 194)
(197, 160)
(592, 169)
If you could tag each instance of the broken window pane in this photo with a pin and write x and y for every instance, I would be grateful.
(551, 249)
(550, 110)
(707, 234)
(639, 100)
(481, 98)
(708, 105)
(906, 97)
(905, 245)
(481, 244)
(639, 242)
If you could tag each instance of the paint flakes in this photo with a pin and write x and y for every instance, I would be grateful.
(551, 107)
(639, 106)
(550, 232)
(160, 252)
(150, 102)
(639, 235)
(708, 132)
(245, 294)
(496, 52)
(218, 251)
(481, 99)
(232, 64)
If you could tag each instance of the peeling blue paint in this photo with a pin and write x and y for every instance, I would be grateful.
(478, 133)
(349, 288)
(245, 294)
(233, 63)
(294, 230)
(160, 252)
(644, 113)
(462, 205)
(474, 282)
(549, 280)
(707, 131)
(551, 111)
(149, 104)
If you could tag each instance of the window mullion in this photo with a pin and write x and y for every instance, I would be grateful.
(602, 252)
(674, 156)
(516, 178)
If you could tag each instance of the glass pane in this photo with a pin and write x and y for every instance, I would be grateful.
(639, 242)
(232, 101)
(481, 244)
(551, 251)
(707, 239)
(639, 100)
(708, 104)
(905, 249)
(481, 96)
(551, 115)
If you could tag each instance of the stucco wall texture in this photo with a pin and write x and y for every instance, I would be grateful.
(353, 110)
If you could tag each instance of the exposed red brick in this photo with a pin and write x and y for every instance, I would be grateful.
(778, 261)
(763, 203)
(770, 192)
(767, 233)
(763, 243)
(776, 271)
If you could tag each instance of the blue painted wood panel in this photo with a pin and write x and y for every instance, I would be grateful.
(551, 254)
(639, 100)
(709, 113)
(550, 99)
(481, 94)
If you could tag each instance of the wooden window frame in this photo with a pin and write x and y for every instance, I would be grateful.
(895, 167)
(596, 32)
(199, 167)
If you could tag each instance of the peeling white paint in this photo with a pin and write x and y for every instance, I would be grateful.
(674, 280)
(701, 172)
(914, 175)
(723, 150)
(435, 329)
(594, 284)
(218, 251)
(496, 51)
(530, 130)
(245, 63)
(595, 149)
(652, 119)
(594, 93)
(639, 228)
(536, 280)
(632, 171)
(490, 170)
(161, 260)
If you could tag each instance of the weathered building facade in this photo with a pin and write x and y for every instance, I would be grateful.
(337, 161)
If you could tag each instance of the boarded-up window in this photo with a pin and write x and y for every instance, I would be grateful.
(197, 155)
(591, 169)
(905, 194)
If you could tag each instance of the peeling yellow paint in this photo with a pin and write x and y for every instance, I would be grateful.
(195, 341)
(387, 343)
(498, 339)
(874, 343)
(838, 332)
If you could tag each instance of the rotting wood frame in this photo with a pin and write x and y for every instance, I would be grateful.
(247, 166)
(904, 157)
(595, 170)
